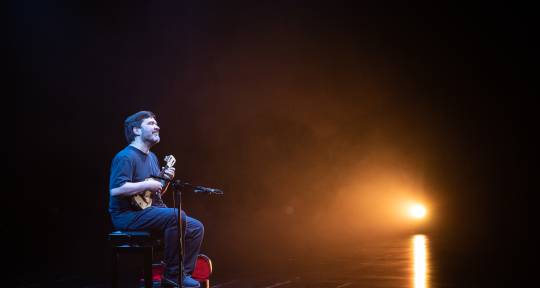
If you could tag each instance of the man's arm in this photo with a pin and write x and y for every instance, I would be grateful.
(133, 188)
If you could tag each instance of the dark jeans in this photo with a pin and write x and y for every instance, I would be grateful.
(164, 220)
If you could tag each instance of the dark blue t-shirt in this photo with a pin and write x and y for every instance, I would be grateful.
(129, 165)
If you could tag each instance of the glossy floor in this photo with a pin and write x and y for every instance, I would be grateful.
(411, 260)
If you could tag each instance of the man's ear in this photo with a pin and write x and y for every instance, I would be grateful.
(137, 131)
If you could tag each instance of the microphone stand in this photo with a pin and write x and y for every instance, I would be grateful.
(177, 198)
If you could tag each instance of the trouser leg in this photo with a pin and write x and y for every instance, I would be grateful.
(172, 249)
(194, 233)
(164, 220)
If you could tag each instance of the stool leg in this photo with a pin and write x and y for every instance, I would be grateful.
(148, 267)
(114, 278)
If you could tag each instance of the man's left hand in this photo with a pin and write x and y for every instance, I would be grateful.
(169, 173)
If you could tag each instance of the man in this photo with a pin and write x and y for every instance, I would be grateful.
(130, 171)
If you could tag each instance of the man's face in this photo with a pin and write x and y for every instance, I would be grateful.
(149, 131)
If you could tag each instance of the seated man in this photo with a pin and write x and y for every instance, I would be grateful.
(130, 175)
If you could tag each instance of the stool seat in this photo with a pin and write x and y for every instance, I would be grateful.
(131, 238)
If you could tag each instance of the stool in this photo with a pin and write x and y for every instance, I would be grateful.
(132, 242)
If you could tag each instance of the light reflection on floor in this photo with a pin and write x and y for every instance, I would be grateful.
(420, 261)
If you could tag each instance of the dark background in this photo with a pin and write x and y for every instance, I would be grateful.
(280, 104)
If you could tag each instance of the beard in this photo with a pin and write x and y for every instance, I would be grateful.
(152, 139)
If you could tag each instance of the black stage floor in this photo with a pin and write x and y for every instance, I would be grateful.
(400, 261)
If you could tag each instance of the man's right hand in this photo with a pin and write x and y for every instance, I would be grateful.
(153, 185)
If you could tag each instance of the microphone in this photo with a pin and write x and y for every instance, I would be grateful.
(201, 189)
(197, 189)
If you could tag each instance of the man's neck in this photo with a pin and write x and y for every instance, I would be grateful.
(141, 146)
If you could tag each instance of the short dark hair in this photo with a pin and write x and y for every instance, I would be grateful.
(133, 121)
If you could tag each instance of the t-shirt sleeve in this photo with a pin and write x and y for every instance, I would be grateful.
(121, 172)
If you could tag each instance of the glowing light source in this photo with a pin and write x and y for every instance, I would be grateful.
(420, 261)
(417, 211)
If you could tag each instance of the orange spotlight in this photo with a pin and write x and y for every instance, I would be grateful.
(417, 211)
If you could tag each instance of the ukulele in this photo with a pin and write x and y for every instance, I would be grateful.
(144, 200)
